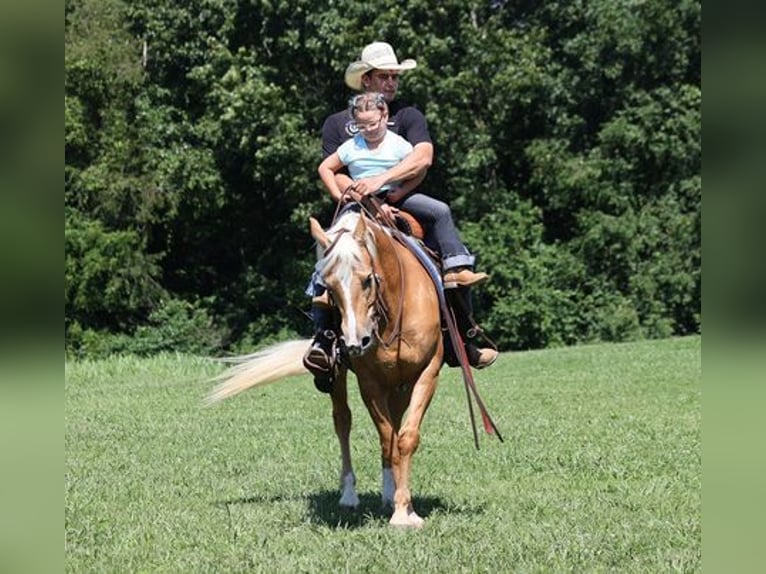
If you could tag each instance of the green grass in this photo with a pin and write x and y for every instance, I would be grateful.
(599, 472)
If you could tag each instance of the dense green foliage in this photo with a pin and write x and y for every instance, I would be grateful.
(567, 142)
(600, 470)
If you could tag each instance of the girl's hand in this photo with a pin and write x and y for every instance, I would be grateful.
(350, 195)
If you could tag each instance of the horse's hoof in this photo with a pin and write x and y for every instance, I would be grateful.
(349, 498)
(349, 502)
(404, 519)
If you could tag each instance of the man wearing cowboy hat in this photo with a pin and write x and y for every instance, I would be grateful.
(378, 70)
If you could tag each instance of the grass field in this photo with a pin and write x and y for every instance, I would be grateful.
(599, 472)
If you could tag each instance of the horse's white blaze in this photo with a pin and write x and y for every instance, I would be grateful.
(349, 496)
(387, 491)
(351, 336)
(341, 263)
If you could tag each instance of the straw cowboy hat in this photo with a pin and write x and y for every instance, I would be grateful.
(375, 56)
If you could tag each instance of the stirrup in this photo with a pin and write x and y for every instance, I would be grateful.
(317, 360)
(320, 360)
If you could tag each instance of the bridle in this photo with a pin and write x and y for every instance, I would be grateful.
(382, 312)
(371, 207)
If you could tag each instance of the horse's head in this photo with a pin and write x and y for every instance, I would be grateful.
(347, 269)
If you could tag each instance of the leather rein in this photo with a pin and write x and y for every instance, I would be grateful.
(371, 205)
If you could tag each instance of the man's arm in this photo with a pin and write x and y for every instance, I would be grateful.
(415, 164)
(332, 135)
(399, 192)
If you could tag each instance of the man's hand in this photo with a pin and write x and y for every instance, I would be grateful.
(387, 212)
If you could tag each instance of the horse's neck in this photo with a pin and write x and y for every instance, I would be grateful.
(389, 265)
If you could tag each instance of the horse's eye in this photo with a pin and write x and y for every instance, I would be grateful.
(367, 282)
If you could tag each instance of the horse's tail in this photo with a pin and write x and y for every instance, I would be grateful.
(260, 368)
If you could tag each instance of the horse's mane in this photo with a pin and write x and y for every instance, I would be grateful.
(343, 246)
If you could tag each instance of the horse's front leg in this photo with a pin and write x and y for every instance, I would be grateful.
(398, 401)
(341, 416)
(377, 402)
(408, 441)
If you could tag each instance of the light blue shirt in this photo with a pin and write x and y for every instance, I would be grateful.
(365, 162)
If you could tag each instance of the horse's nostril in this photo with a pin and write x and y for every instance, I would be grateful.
(366, 342)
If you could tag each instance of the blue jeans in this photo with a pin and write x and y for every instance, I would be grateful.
(440, 232)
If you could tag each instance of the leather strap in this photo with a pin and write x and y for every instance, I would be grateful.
(373, 205)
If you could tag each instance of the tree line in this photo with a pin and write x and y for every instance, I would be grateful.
(567, 138)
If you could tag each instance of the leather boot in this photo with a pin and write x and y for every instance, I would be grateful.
(463, 277)
(480, 358)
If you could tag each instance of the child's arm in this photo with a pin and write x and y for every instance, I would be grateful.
(327, 170)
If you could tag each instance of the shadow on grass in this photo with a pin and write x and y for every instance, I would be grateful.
(322, 508)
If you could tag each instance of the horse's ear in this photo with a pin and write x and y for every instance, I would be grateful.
(360, 231)
(318, 233)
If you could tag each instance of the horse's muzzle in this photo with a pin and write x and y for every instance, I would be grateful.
(357, 350)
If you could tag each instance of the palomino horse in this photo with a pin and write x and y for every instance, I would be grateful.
(390, 328)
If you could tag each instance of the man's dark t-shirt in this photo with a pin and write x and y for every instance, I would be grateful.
(403, 119)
